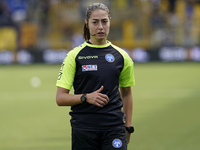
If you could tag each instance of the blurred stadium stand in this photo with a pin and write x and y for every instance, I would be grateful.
(38, 25)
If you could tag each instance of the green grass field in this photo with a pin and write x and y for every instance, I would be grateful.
(166, 108)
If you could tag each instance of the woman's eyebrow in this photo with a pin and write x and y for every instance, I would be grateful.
(100, 19)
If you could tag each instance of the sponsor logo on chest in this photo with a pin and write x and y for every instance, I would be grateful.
(89, 67)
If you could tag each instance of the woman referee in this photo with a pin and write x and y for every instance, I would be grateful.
(96, 69)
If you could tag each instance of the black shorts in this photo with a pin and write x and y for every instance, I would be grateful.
(99, 140)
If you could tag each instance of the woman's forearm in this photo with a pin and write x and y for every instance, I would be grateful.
(128, 110)
(63, 98)
(127, 104)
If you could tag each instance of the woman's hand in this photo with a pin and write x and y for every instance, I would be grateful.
(97, 98)
(128, 136)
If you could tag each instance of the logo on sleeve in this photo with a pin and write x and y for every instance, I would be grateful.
(110, 58)
(89, 67)
(117, 143)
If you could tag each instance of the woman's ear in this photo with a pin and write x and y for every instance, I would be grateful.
(86, 23)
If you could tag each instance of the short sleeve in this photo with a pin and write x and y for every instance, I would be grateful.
(67, 72)
(127, 78)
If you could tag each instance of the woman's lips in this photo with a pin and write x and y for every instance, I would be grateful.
(100, 33)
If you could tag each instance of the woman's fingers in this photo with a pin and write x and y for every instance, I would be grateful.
(102, 99)
(97, 98)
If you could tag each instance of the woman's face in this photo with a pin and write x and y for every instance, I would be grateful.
(99, 25)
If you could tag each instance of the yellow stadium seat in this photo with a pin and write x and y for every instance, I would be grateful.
(28, 35)
(8, 38)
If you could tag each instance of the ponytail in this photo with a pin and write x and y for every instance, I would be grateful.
(86, 32)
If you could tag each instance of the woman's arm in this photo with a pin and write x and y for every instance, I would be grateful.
(126, 95)
(63, 98)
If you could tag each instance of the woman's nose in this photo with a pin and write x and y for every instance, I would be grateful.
(100, 26)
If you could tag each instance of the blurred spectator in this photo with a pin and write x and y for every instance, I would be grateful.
(4, 13)
(172, 19)
(18, 9)
(158, 18)
(172, 6)
(189, 9)
(77, 39)
(158, 22)
(44, 11)
(155, 4)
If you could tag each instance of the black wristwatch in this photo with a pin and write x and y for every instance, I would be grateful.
(130, 129)
(83, 98)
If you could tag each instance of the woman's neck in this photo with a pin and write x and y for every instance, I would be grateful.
(98, 42)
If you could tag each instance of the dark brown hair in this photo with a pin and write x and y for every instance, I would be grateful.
(90, 9)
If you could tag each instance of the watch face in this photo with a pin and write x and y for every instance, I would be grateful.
(83, 98)
(130, 129)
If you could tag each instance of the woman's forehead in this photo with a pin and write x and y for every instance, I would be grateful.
(99, 14)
